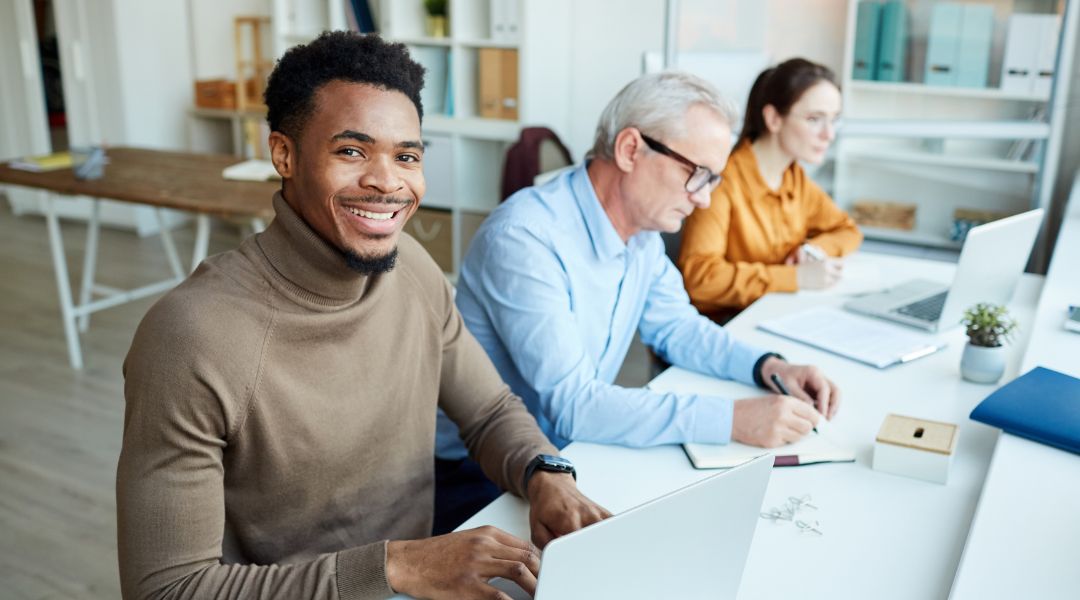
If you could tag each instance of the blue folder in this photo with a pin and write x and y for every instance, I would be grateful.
(867, 29)
(942, 44)
(891, 49)
(1041, 405)
(973, 47)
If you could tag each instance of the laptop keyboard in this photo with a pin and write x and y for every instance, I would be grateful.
(927, 309)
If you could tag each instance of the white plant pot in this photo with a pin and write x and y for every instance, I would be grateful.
(980, 364)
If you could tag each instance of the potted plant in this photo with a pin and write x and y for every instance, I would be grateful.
(436, 19)
(989, 328)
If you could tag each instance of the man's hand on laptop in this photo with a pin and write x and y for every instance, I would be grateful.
(557, 507)
(458, 565)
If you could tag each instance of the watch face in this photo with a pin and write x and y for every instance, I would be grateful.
(556, 461)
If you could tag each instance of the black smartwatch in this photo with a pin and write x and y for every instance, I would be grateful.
(547, 462)
(758, 378)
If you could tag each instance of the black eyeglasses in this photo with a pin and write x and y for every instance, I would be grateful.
(699, 178)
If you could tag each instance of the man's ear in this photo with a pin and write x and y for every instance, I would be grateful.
(628, 149)
(772, 118)
(282, 154)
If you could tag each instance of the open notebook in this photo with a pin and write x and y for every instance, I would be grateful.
(814, 448)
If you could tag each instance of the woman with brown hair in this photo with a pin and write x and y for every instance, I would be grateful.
(769, 227)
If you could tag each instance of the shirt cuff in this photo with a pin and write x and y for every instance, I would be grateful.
(742, 359)
(713, 422)
(361, 573)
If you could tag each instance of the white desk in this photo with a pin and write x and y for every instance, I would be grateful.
(885, 536)
(1025, 538)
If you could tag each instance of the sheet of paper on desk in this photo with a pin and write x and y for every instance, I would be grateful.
(863, 339)
(814, 448)
(251, 170)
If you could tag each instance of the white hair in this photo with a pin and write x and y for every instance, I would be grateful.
(657, 104)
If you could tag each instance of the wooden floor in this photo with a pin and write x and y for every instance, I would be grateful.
(60, 428)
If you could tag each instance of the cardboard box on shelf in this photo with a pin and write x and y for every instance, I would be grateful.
(889, 215)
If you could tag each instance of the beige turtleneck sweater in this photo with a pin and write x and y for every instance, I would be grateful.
(280, 421)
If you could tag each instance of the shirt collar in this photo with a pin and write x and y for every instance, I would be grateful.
(605, 240)
(745, 163)
(305, 263)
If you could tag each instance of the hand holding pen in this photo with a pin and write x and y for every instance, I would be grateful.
(780, 387)
(807, 383)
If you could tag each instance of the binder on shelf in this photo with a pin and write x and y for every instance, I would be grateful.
(1021, 49)
(504, 20)
(941, 48)
(436, 75)
(973, 47)
(892, 43)
(1046, 58)
(498, 83)
(448, 101)
(1042, 405)
(867, 29)
(362, 15)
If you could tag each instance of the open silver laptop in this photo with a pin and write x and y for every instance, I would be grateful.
(991, 262)
(691, 543)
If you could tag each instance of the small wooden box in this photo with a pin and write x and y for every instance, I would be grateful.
(221, 93)
(915, 448)
(889, 215)
(215, 93)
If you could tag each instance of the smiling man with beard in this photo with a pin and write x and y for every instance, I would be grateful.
(280, 416)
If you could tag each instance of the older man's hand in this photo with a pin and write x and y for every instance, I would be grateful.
(806, 383)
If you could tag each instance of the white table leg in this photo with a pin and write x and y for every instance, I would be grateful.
(93, 229)
(170, 247)
(56, 245)
(202, 240)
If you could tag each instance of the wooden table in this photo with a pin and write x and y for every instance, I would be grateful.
(173, 180)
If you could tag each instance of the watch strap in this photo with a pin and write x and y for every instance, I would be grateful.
(758, 378)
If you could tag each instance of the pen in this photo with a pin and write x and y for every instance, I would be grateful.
(779, 383)
(814, 252)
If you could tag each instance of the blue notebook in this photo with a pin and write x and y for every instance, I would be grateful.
(1041, 405)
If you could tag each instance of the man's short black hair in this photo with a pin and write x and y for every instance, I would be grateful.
(336, 56)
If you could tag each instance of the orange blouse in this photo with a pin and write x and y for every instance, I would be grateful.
(733, 251)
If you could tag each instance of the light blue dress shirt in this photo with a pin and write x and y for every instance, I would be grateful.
(553, 294)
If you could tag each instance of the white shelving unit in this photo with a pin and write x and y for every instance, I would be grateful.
(943, 148)
(465, 152)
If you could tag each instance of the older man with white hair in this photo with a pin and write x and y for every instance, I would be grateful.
(560, 276)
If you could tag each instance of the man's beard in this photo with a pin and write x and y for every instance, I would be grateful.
(371, 265)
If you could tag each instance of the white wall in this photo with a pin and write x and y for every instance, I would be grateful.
(610, 37)
(154, 72)
(782, 29)
(608, 40)
(212, 36)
